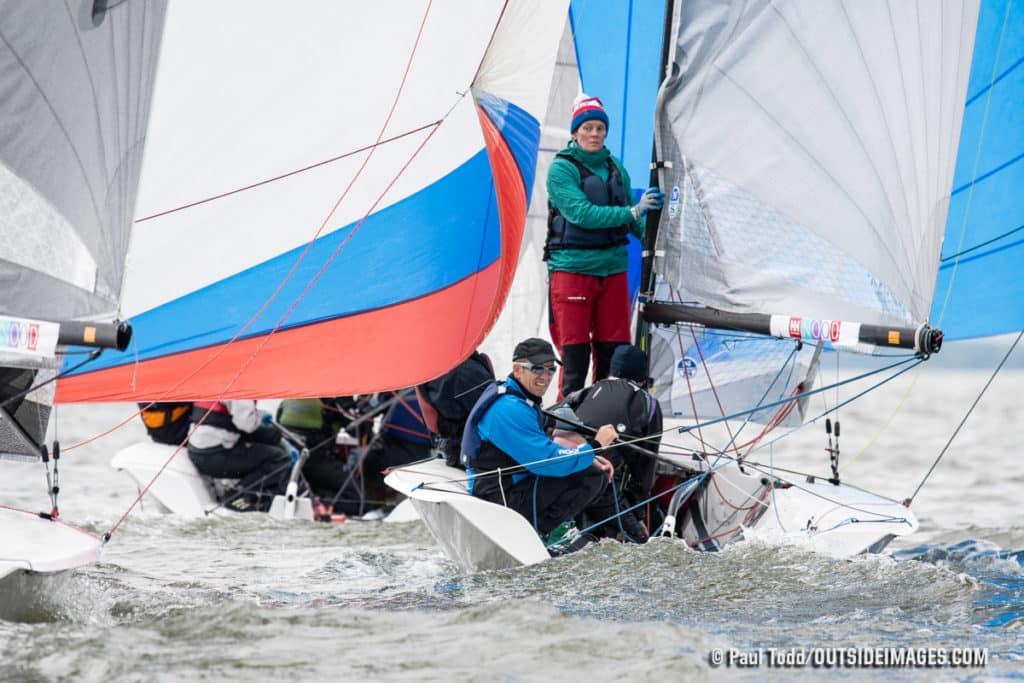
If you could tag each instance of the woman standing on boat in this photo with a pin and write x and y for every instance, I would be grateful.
(590, 213)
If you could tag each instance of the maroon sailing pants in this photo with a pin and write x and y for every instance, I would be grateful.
(589, 316)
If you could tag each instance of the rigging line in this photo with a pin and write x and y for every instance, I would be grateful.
(689, 388)
(829, 411)
(490, 41)
(404, 430)
(714, 389)
(22, 394)
(618, 515)
(797, 397)
(297, 171)
(778, 417)
(892, 416)
(782, 413)
(149, 484)
(982, 244)
(966, 415)
(302, 256)
(413, 412)
(977, 164)
(839, 504)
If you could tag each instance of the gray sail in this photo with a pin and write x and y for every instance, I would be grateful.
(75, 85)
(76, 79)
(812, 147)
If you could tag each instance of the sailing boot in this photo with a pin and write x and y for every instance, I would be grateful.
(575, 362)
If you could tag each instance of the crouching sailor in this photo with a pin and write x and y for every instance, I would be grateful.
(512, 462)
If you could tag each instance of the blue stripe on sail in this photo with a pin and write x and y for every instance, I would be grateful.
(980, 255)
(997, 169)
(987, 205)
(441, 235)
(520, 130)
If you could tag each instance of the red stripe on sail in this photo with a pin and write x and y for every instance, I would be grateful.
(511, 193)
(411, 342)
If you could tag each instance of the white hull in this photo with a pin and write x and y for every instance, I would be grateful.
(474, 534)
(743, 503)
(181, 490)
(31, 546)
(840, 521)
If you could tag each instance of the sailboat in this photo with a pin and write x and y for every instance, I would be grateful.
(828, 191)
(322, 210)
(77, 85)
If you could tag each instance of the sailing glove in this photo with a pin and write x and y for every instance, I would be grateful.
(652, 198)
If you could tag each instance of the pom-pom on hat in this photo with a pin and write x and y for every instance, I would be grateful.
(587, 108)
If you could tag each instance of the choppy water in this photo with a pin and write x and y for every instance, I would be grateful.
(248, 598)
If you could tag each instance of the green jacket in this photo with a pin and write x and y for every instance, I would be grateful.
(565, 193)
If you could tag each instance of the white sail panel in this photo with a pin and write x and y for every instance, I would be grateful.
(819, 141)
(511, 73)
(256, 105)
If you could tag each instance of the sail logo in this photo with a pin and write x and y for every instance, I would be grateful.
(687, 367)
(15, 334)
(673, 202)
(816, 330)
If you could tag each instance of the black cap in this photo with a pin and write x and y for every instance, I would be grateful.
(629, 362)
(535, 350)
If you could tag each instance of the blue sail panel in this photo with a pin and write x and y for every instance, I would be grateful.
(979, 291)
(521, 132)
(618, 50)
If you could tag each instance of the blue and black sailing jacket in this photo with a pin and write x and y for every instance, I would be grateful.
(505, 429)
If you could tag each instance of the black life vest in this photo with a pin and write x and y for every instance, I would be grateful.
(451, 397)
(616, 401)
(565, 235)
(166, 422)
(219, 416)
(483, 456)
(635, 412)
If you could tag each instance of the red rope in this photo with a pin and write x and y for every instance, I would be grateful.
(286, 175)
(400, 428)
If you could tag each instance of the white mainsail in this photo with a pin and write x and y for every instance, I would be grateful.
(813, 148)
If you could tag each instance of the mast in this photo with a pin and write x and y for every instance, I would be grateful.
(641, 336)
